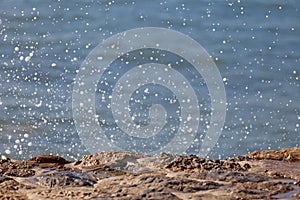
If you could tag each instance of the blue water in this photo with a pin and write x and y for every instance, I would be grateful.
(255, 44)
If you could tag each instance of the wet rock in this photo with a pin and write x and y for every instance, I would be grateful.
(16, 168)
(232, 176)
(3, 178)
(134, 187)
(126, 161)
(263, 190)
(67, 179)
(187, 185)
(114, 159)
(288, 154)
(46, 160)
(195, 164)
(280, 169)
(157, 193)
(125, 175)
(138, 186)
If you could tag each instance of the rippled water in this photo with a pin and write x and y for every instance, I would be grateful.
(255, 45)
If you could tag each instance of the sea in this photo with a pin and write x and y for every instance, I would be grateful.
(43, 45)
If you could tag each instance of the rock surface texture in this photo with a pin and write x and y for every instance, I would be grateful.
(272, 174)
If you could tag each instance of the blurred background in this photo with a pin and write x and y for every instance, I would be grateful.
(255, 44)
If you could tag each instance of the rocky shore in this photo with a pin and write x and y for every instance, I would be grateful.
(270, 174)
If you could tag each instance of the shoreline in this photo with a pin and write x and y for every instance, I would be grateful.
(268, 174)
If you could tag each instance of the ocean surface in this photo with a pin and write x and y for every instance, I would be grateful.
(255, 45)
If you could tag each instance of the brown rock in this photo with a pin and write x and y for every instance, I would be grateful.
(128, 176)
(45, 158)
(288, 154)
(195, 164)
(16, 168)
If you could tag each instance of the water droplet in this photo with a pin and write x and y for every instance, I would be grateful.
(27, 59)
